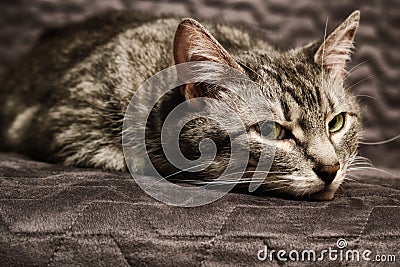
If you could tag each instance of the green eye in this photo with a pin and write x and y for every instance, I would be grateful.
(337, 123)
(270, 130)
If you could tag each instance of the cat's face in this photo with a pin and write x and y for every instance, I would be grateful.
(315, 122)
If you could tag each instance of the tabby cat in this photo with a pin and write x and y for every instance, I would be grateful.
(65, 100)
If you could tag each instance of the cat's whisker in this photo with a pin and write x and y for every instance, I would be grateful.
(280, 172)
(299, 192)
(244, 181)
(340, 189)
(173, 174)
(250, 69)
(351, 179)
(353, 167)
(323, 52)
(253, 172)
(360, 161)
(362, 80)
(303, 193)
(380, 142)
(186, 169)
(360, 164)
(239, 182)
(223, 182)
(235, 181)
(362, 158)
(355, 67)
(368, 96)
(370, 169)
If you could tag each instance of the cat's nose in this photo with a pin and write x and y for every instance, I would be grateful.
(327, 173)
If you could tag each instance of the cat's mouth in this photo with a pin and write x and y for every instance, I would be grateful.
(325, 194)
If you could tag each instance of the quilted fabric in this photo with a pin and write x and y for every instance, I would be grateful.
(57, 216)
(375, 66)
(52, 215)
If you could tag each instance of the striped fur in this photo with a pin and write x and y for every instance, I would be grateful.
(65, 101)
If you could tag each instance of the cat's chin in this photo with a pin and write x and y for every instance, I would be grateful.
(326, 194)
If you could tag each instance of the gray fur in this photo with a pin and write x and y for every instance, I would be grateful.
(65, 101)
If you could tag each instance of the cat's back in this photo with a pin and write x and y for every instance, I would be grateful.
(60, 49)
(63, 58)
(75, 83)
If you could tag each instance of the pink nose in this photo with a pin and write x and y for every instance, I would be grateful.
(327, 173)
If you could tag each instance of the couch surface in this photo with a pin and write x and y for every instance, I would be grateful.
(374, 70)
(52, 215)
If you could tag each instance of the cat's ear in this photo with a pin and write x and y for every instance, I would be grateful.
(193, 42)
(335, 50)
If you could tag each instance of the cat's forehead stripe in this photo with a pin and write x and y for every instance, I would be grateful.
(286, 109)
(303, 92)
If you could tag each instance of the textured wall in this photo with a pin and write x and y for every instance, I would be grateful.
(375, 77)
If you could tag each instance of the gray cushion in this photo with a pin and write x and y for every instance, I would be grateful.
(71, 216)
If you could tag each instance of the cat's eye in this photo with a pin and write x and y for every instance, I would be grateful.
(271, 130)
(337, 123)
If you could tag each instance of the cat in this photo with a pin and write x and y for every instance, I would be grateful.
(65, 101)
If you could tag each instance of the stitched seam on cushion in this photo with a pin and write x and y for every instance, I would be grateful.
(120, 250)
(212, 241)
(67, 234)
(130, 203)
(115, 188)
(153, 228)
(369, 216)
(364, 226)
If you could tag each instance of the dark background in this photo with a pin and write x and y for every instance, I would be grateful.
(286, 23)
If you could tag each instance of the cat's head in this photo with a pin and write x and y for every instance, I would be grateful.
(315, 122)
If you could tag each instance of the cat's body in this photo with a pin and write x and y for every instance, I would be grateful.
(66, 100)
(74, 74)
